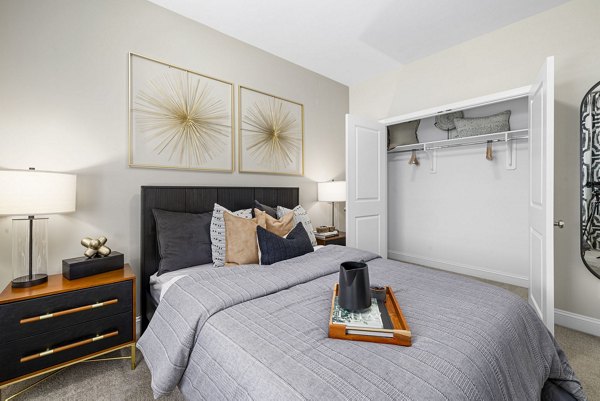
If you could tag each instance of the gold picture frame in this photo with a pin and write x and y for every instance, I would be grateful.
(178, 118)
(270, 134)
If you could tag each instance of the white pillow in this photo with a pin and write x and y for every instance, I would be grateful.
(300, 216)
(217, 232)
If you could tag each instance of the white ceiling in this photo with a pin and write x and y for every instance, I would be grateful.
(353, 40)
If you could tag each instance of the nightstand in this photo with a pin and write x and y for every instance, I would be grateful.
(62, 322)
(339, 239)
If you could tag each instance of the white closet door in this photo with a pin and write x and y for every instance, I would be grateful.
(541, 194)
(366, 176)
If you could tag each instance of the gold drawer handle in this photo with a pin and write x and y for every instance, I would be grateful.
(69, 346)
(68, 311)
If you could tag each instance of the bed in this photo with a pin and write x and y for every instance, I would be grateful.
(260, 332)
(192, 199)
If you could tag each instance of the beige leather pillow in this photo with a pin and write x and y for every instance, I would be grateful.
(241, 247)
(280, 226)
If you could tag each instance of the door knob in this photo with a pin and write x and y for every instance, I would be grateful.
(559, 224)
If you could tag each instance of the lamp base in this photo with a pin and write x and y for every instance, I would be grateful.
(29, 281)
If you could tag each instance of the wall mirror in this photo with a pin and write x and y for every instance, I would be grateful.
(590, 179)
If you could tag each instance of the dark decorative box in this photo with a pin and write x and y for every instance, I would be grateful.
(83, 267)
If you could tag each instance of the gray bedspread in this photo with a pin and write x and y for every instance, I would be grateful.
(260, 332)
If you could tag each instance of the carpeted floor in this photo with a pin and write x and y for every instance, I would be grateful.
(94, 381)
(114, 380)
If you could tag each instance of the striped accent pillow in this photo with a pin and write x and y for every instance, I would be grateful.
(217, 232)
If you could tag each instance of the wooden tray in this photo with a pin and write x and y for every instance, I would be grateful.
(400, 334)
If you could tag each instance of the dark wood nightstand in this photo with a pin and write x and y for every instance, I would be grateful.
(339, 239)
(63, 322)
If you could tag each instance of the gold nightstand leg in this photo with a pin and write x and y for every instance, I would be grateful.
(133, 357)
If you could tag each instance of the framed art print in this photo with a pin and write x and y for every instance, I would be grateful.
(178, 118)
(271, 134)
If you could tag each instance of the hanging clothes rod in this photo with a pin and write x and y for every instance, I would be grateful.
(456, 145)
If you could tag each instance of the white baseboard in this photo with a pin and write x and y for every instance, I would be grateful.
(138, 326)
(476, 271)
(577, 322)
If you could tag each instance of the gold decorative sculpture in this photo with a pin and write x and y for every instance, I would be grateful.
(95, 247)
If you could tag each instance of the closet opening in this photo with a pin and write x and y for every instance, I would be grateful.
(464, 207)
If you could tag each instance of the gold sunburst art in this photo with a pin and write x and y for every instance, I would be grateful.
(179, 119)
(271, 134)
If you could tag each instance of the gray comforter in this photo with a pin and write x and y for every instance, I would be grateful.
(260, 332)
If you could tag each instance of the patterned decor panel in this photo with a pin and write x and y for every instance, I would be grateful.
(590, 172)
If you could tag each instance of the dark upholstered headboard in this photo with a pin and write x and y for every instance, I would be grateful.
(194, 200)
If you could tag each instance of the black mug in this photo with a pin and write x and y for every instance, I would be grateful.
(354, 291)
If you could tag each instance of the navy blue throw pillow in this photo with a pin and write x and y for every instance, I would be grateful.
(274, 248)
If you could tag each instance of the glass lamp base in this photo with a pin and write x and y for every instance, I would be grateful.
(30, 251)
(29, 281)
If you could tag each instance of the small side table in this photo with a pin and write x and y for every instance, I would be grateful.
(62, 322)
(339, 239)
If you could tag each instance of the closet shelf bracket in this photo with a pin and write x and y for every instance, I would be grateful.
(431, 153)
(511, 155)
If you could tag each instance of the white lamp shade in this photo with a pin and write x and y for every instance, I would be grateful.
(31, 192)
(331, 191)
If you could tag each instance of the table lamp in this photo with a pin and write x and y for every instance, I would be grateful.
(332, 191)
(30, 193)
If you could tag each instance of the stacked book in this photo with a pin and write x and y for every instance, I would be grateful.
(327, 234)
(383, 322)
(376, 317)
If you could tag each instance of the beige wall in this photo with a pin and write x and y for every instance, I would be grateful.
(505, 59)
(63, 107)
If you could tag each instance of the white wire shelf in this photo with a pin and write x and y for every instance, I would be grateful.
(466, 141)
(431, 148)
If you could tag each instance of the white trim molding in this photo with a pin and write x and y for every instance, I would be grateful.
(462, 105)
(577, 322)
(494, 275)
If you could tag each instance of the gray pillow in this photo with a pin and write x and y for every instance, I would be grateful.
(183, 239)
(274, 248)
(446, 121)
(481, 125)
(271, 211)
(403, 134)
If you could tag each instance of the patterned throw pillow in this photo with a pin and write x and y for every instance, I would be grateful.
(217, 232)
(300, 216)
(274, 248)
